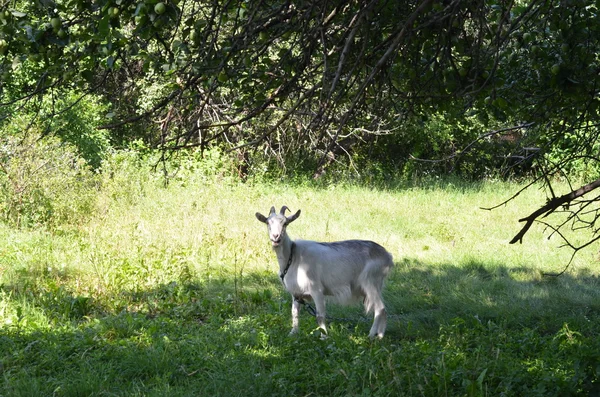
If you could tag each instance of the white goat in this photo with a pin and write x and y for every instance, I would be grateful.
(345, 270)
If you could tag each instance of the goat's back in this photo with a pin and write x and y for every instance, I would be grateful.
(343, 267)
(357, 250)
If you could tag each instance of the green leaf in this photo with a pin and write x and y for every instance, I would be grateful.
(480, 378)
(88, 75)
(18, 14)
(104, 26)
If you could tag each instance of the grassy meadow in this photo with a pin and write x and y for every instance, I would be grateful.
(173, 291)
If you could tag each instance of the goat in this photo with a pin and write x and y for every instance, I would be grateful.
(345, 270)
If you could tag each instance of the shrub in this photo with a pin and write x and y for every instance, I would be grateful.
(73, 117)
(127, 174)
(43, 182)
(71, 114)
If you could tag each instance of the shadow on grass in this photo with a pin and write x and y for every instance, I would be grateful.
(421, 296)
(452, 330)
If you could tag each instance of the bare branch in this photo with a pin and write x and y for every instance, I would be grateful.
(368, 80)
(160, 105)
(345, 51)
(551, 206)
(300, 100)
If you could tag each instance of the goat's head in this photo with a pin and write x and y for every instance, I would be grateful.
(276, 223)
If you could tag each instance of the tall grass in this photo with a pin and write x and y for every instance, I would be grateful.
(173, 290)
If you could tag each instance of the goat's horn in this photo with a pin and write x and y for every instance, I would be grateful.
(272, 211)
(293, 217)
(282, 212)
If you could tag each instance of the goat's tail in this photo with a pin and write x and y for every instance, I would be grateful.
(371, 281)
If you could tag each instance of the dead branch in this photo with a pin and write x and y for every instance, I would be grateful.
(551, 206)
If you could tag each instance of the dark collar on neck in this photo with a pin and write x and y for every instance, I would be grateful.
(289, 262)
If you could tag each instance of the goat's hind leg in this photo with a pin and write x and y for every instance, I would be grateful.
(371, 281)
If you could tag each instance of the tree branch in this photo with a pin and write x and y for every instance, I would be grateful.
(551, 206)
(391, 50)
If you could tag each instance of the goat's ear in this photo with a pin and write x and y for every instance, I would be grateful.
(261, 217)
(292, 218)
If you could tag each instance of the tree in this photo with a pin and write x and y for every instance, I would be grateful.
(320, 79)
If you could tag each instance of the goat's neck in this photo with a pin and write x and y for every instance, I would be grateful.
(283, 252)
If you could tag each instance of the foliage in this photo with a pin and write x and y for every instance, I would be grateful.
(317, 78)
(73, 118)
(43, 182)
(69, 114)
(574, 155)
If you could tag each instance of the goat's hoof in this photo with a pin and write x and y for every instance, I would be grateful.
(320, 333)
(293, 332)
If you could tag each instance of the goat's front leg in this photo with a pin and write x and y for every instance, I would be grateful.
(379, 324)
(319, 300)
(295, 311)
(380, 317)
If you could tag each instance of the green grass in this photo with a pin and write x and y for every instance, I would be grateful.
(174, 292)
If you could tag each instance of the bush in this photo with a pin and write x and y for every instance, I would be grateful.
(129, 174)
(43, 182)
(69, 113)
(576, 153)
(74, 118)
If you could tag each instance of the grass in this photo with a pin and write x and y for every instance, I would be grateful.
(174, 292)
